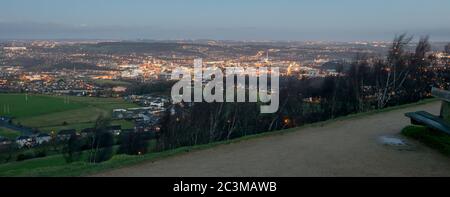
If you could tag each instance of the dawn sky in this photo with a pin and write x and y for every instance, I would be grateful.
(224, 19)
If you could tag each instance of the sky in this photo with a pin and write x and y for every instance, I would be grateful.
(251, 20)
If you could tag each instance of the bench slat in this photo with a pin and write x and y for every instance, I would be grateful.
(428, 115)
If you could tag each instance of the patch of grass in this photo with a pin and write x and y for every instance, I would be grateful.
(26, 168)
(434, 139)
(76, 126)
(124, 123)
(8, 133)
(77, 116)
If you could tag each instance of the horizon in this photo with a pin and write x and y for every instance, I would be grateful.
(415, 40)
(344, 21)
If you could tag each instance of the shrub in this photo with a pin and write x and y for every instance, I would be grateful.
(24, 156)
(72, 149)
(133, 143)
(434, 139)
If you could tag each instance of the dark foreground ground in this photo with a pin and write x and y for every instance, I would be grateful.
(362, 146)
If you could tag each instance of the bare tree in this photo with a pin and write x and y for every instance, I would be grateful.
(422, 48)
(97, 137)
(357, 75)
(215, 119)
(396, 70)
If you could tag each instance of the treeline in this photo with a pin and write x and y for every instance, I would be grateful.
(370, 83)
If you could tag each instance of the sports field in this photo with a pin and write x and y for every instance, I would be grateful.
(27, 105)
(53, 113)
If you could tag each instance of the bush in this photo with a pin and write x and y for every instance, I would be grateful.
(102, 154)
(24, 156)
(5, 157)
(41, 153)
(72, 149)
(434, 139)
(8, 152)
(133, 143)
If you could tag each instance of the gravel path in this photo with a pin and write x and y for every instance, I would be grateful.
(343, 148)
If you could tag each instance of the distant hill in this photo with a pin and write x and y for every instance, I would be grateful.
(74, 65)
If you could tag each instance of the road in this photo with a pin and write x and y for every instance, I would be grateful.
(349, 147)
(25, 131)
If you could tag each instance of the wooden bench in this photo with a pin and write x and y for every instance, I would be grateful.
(438, 123)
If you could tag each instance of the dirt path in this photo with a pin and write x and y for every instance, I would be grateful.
(343, 148)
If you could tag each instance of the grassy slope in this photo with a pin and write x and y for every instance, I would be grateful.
(433, 139)
(5, 132)
(55, 166)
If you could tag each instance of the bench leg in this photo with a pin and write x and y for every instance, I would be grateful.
(415, 122)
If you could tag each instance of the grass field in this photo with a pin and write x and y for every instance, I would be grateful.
(52, 113)
(23, 106)
(5, 132)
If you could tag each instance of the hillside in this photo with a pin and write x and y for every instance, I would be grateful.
(349, 147)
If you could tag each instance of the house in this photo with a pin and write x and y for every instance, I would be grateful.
(66, 134)
(4, 119)
(143, 118)
(4, 141)
(119, 89)
(119, 113)
(43, 138)
(24, 141)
